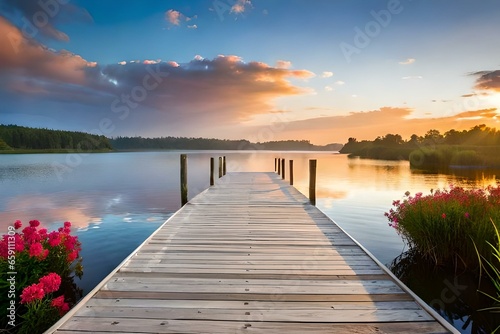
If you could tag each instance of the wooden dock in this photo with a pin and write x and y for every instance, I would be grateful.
(250, 255)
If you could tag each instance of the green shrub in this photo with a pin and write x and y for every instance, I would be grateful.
(467, 158)
(444, 226)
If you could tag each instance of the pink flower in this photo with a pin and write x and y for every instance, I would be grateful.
(467, 215)
(34, 223)
(19, 243)
(57, 302)
(72, 256)
(51, 282)
(60, 305)
(32, 293)
(18, 224)
(36, 249)
(67, 224)
(43, 233)
(70, 242)
(54, 239)
(443, 215)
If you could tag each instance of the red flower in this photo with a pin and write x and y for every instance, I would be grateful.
(31, 235)
(44, 254)
(32, 293)
(443, 215)
(64, 308)
(58, 302)
(72, 256)
(36, 249)
(67, 224)
(70, 242)
(43, 233)
(54, 239)
(60, 305)
(18, 224)
(51, 282)
(19, 243)
(34, 223)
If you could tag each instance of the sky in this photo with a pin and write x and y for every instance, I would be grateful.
(322, 70)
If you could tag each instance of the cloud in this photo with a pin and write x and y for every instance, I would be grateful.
(329, 88)
(22, 58)
(488, 80)
(39, 18)
(283, 64)
(327, 74)
(173, 17)
(241, 6)
(225, 89)
(412, 77)
(371, 124)
(468, 95)
(408, 61)
(339, 83)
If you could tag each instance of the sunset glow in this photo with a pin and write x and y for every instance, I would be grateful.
(322, 71)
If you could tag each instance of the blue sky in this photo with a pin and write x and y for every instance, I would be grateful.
(260, 70)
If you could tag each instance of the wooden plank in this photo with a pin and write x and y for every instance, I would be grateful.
(123, 325)
(249, 255)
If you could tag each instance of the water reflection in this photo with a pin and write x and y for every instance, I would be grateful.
(117, 199)
(454, 296)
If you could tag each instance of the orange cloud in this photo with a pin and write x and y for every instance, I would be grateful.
(240, 6)
(26, 58)
(371, 124)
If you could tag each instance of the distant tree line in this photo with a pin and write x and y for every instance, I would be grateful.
(173, 143)
(14, 137)
(26, 138)
(479, 146)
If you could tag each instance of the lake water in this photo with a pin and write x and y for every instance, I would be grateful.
(116, 200)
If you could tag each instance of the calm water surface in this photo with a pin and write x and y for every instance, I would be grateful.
(116, 200)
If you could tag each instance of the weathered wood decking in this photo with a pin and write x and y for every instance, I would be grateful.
(249, 255)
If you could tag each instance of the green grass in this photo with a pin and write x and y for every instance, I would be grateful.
(492, 269)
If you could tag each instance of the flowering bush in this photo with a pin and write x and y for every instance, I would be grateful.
(444, 226)
(41, 263)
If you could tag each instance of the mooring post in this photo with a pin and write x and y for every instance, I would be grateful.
(184, 189)
(220, 167)
(275, 164)
(291, 172)
(282, 169)
(279, 166)
(312, 181)
(224, 165)
(212, 170)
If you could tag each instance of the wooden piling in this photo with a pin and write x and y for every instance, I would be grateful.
(184, 189)
(283, 169)
(275, 165)
(312, 181)
(220, 167)
(224, 165)
(279, 166)
(212, 170)
(291, 172)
